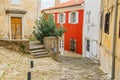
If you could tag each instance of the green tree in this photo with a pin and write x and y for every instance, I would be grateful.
(45, 27)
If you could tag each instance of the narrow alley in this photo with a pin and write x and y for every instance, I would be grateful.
(14, 66)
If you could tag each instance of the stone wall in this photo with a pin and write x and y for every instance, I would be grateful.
(17, 45)
(50, 43)
(28, 18)
(52, 46)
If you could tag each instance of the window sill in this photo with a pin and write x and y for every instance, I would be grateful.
(106, 33)
(73, 23)
(61, 23)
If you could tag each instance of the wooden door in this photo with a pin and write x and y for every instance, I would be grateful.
(16, 28)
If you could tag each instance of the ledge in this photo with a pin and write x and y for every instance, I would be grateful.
(16, 11)
(22, 40)
(17, 45)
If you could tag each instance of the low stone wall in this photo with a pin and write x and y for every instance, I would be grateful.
(17, 45)
(50, 43)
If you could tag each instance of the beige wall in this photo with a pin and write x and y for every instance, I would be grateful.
(28, 19)
(106, 48)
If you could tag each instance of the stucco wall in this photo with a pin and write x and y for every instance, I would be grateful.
(107, 41)
(117, 70)
(73, 31)
(106, 44)
(28, 19)
(91, 29)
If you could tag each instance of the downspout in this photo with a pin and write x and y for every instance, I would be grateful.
(101, 24)
(114, 40)
(101, 27)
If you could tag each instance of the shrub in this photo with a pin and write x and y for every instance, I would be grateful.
(22, 47)
(45, 27)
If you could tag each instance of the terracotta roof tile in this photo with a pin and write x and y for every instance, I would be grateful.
(66, 4)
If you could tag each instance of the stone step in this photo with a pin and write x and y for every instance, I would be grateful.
(41, 56)
(36, 47)
(39, 53)
(38, 50)
(35, 43)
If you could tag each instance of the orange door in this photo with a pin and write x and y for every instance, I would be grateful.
(16, 28)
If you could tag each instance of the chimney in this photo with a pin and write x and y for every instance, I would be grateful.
(57, 2)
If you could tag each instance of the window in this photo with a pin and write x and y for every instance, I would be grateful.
(16, 2)
(72, 44)
(61, 18)
(107, 21)
(88, 13)
(88, 45)
(73, 17)
(101, 22)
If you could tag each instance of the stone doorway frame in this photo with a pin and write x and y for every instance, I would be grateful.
(9, 23)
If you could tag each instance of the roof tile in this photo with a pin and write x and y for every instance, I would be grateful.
(66, 4)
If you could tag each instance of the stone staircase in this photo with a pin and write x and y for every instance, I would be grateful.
(37, 50)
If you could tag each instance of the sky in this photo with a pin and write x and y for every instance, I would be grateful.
(48, 3)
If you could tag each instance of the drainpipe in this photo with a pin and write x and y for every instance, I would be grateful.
(101, 25)
(114, 40)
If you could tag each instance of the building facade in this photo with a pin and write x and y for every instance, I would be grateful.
(17, 18)
(91, 29)
(70, 15)
(110, 38)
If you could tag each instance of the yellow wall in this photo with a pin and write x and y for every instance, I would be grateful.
(107, 39)
(118, 46)
(29, 18)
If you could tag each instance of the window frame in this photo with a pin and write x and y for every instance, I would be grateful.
(88, 14)
(88, 45)
(76, 18)
(107, 23)
(62, 19)
(73, 17)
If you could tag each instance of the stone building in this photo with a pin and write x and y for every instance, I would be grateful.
(17, 18)
(91, 29)
(110, 38)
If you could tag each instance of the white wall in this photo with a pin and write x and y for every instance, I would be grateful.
(91, 30)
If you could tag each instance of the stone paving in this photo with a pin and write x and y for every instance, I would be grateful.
(15, 65)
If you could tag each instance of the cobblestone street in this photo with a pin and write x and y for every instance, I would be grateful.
(14, 66)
